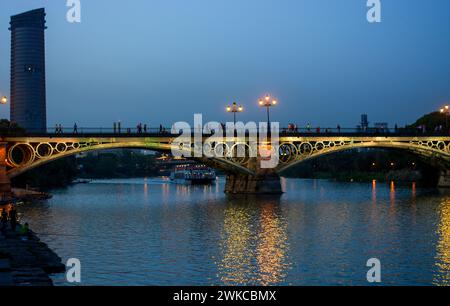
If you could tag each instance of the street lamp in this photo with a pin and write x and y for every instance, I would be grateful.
(4, 100)
(445, 110)
(235, 109)
(268, 102)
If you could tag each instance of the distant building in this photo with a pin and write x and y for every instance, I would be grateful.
(28, 96)
(363, 126)
(364, 122)
(381, 126)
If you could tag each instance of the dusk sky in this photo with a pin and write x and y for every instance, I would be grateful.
(159, 61)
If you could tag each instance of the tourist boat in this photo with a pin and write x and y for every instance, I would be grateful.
(193, 174)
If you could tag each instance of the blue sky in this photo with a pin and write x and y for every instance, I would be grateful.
(159, 61)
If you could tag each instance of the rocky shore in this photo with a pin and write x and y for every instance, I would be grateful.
(26, 262)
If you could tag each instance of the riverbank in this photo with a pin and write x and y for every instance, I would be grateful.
(403, 176)
(26, 262)
(19, 194)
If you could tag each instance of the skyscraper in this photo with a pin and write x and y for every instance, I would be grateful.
(28, 96)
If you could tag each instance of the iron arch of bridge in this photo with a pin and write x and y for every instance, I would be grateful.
(292, 150)
(434, 150)
(41, 151)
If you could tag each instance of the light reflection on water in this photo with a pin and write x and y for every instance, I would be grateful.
(253, 243)
(152, 232)
(442, 276)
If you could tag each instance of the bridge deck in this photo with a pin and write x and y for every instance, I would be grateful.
(165, 135)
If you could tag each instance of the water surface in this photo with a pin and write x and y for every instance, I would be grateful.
(152, 232)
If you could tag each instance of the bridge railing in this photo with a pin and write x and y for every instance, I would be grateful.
(162, 131)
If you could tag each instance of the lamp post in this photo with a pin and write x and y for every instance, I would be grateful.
(234, 108)
(4, 100)
(445, 110)
(268, 102)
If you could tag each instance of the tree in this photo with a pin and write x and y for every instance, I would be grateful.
(431, 121)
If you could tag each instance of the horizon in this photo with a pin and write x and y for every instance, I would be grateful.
(319, 59)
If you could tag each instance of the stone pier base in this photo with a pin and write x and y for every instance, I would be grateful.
(249, 184)
(444, 179)
(264, 181)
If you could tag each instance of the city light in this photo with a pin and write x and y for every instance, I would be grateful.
(235, 109)
(445, 110)
(268, 102)
(4, 100)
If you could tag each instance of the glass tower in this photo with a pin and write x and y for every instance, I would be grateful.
(28, 96)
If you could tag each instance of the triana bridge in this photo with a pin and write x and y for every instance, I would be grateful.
(20, 153)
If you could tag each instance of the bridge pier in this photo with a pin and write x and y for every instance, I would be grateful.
(444, 179)
(5, 183)
(249, 184)
(265, 181)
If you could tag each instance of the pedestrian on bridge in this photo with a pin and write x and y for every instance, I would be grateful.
(115, 127)
(75, 128)
(339, 129)
(60, 129)
(308, 127)
(145, 128)
(318, 130)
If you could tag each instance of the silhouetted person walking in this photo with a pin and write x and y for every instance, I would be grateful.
(13, 218)
(75, 128)
(4, 220)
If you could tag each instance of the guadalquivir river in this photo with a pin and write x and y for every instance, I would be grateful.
(152, 232)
